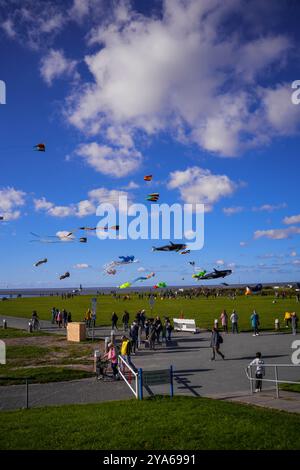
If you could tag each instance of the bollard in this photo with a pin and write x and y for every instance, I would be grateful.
(4, 324)
(277, 326)
(106, 344)
(30, 327)
(216, 323)
(113, 337)
(96, 355)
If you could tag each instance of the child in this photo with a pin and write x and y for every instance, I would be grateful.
(260, 371)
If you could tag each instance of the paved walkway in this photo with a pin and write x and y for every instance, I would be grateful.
(195, 374)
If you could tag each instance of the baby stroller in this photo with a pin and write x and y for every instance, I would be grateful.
(101, 368)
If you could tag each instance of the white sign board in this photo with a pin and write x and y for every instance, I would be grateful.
(183, 324)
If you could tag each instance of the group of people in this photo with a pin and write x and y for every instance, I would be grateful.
(90, 318)
(60, 317)
(234, 318)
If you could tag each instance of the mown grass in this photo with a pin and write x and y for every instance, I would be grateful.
(41, 375)
(14, 333)
(203, 310)
(180, 423)
(290, 387)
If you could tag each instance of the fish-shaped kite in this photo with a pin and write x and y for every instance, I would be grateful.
(64, 276)
(41, 261)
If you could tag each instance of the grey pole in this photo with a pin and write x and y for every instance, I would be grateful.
(276, 378)
(27, 398)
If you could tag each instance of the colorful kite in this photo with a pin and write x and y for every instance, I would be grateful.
(125, 285)
(160, 285)
(148, 178)
(40, 147)
(154, 197)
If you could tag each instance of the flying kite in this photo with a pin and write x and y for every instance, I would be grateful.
(125, 260)
(143, 278)
(63, 237)
(40, 147)
(148, 178)
(224, 284)
(172, 247)
(1, 217)
(41, 261)
(192, 263)
(215, 274)
(112, 272)
(64, 276)
(154, 197)
(253, 290)
(185, 252)
(125, 285)
(160, 285)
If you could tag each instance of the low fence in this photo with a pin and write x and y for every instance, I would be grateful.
(275, 368)
(26, 381)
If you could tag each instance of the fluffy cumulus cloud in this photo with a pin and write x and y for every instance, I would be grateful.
(179, 72)
(87, 206)
(11, 200)
(112, 161)
(81, 266)
(277, 234)
(55, 65)
(198, 185)
(293, 219)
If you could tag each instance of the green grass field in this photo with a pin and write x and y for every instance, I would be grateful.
(204, 311)
(43, 358)
(159, 424)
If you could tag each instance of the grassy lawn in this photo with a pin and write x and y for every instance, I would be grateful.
(203, 310)
(290, 387)
(44, 358)
(160, 423)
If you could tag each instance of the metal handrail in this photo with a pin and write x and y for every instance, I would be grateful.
(276, 380)
(134, 373)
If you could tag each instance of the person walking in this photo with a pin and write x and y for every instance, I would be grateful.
(255, 322)
(234, 322)
(158, 327)
(287, 319)
(134, 331)
(114, 321)
(93, 319)
(169, 329)
(125, 320)
(224, 321)
(215, 342)
(259, 372)
(152, 335)
(294, 322)
(65, 317)
(59, 318)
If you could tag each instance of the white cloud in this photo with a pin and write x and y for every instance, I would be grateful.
(220, 262)
(55, 65)
(131, 185)
(8, 28)
(269, 207)
(81, 266)
(10, 200)
(85, 207)
(197, 185)
(141, 269)
(277, 234)
(117, 162)
(294, 219)
(243, 243)
(232, 210)
(293, 253)
(168, 72)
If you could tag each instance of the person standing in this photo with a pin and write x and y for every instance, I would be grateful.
(53, 314)
(125, 320)
(59, 318)
(93, 319)
(88, 318)
(158, 327)
(152, 335)
(255, 322)
(224, 321)
(234, 322)
(134, 330)
(169, 329)
(260, 371)
(111, 355)
(287, 319)
(65, 318)
(294, 322)
(215, 342)
(114, 321)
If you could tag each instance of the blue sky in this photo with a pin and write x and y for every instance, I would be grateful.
(197, 93)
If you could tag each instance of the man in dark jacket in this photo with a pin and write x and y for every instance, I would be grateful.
(215, 341)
